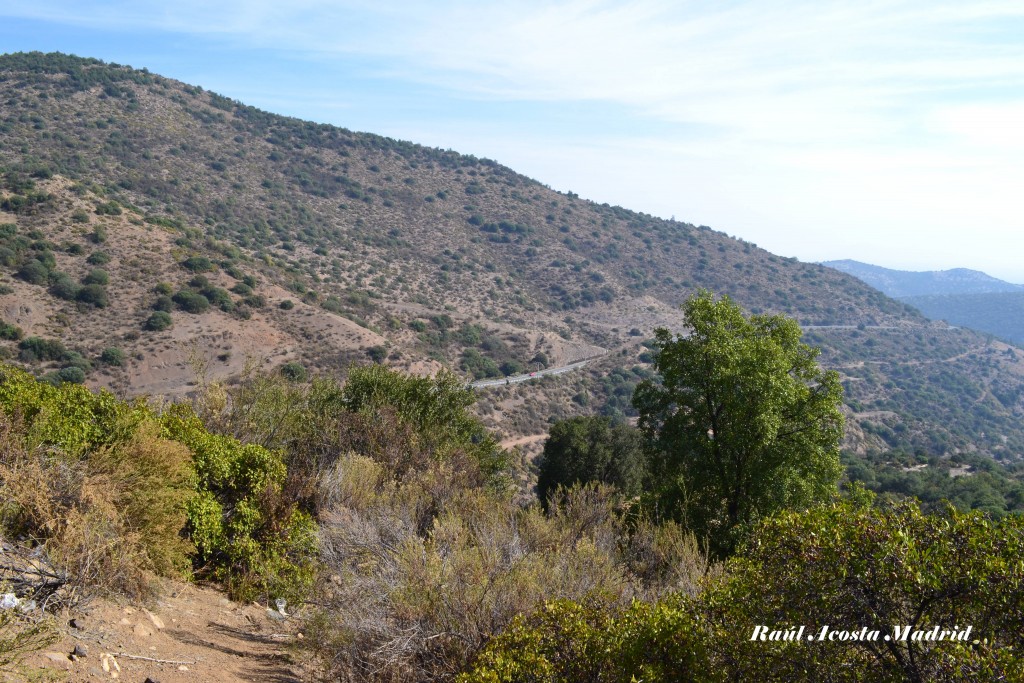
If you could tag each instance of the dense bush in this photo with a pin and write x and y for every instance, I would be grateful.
(10, 332)
(197, 264)
(247, 534)
(97, 276)
(191, 302)
(112, 356)
(92, 481)
(158, 321)
(109, 488)
(34, 272)
(95, 295)
(63, 287)
(848, 567)
(591, 449)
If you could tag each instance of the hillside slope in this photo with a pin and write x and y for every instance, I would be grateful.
(311, 246)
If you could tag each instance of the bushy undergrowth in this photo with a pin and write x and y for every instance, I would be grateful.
(845, 566)
(90, 480)
(114, 493)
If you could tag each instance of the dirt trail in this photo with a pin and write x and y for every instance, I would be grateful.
(199, 634)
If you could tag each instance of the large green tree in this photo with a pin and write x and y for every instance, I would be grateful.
(591, 448)
(743, 422)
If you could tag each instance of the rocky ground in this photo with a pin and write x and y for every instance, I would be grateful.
(192, 634)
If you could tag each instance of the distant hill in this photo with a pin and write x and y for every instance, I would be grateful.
(959, 296)
(152, 231)
(998, 313)
(905, 283)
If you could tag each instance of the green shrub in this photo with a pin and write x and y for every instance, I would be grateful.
(37, 348)
(246, 533)
(34, 272)
(111, 208)
(594, 640)
(163, 303)
(851, 565)
(71, 375)
(591, 449)
(95, 295)
(112, 356)
(158, 321)
(218, 297)
(191, 302)
(80, 216)
(10, 332)
(97, 276)
(286, 305)
(197, 264)
(294, 371)
(98, 258)
(88, 478)
(63, 287)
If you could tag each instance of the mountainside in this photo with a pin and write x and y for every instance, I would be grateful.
(998, 313)
(958, 296)
(905, 283)
(151, 229)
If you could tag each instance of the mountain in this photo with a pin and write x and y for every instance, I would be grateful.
(905, 283)
(154, 234)
(998, 313)
(958, 296)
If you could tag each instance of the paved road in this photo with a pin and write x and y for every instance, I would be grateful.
(515, 379)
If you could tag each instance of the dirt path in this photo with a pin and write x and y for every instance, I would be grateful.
(197, 633)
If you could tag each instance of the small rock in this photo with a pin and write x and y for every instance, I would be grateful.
(299, 636)
(76, 623)
(124, 622)
(150, 679)
(142, 631)
(80, 650)
(182, 668)
(55, 657)
(157, 621)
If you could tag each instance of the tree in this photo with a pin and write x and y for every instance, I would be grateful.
(586, 449)
(744, 422)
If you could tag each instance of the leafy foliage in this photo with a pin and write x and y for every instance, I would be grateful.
(591, 449)
(246, 533)
(744, 422)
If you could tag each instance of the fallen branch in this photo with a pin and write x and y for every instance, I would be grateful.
(150, 659)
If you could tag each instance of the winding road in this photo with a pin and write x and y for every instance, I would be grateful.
(516, 379)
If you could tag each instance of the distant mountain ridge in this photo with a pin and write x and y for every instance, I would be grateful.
(959, 296)
(904, 283)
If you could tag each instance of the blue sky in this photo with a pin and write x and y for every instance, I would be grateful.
(888, 132)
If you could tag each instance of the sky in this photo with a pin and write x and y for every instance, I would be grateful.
(890, 132)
